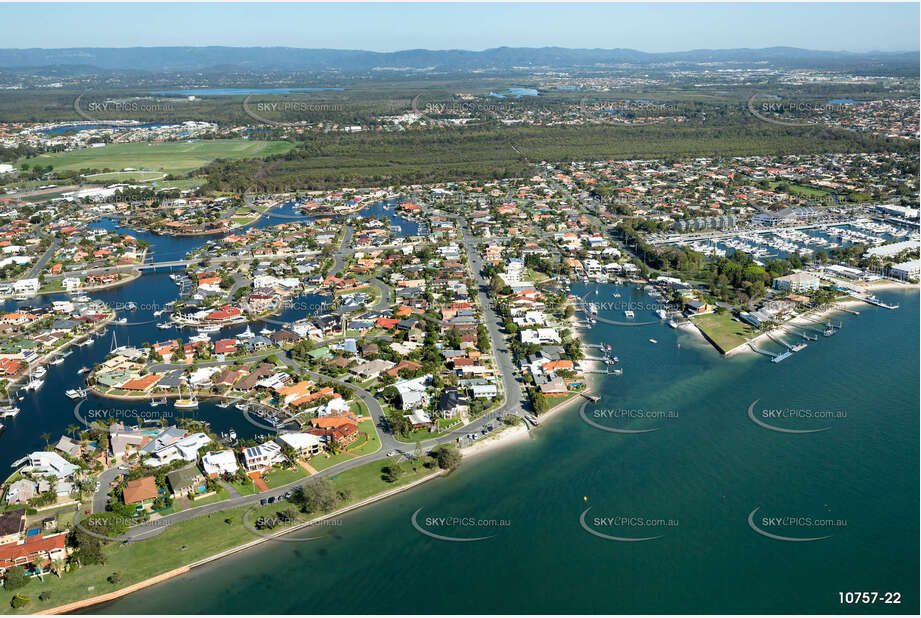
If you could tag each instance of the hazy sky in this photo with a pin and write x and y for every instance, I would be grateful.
(387, 27)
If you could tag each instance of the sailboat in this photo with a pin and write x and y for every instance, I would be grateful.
(157, 402)
(185, 403)
(246, 334)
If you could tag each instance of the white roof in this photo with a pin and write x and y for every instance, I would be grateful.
(299, 441)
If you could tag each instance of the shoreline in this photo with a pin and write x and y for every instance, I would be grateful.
(111, 596)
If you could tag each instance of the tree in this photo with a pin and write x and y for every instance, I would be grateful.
(447, 456)
(392, 472)
(15, 578)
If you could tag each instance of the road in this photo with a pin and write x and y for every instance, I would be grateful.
(514, 402)
(343, 252)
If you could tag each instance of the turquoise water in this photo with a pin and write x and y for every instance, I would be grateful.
(705, 470)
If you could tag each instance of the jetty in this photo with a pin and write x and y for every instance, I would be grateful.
(591, 396)
(875, 301)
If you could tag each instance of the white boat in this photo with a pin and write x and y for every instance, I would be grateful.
(209, 328)
(629, 314)
(232, 434)
(673, 323)
(34, 385)
(661, 313)
(185, 403)
(164, 325)
(121, 321)
(157, 402)
(9, 411)
(83, 370)
(200, 338)
(242, 406)
(87, 341)
(131, 306)
(159, 312)
(76, 393)
(247, 334)
(265, 332)
(58, 360)
(224, 404)
(653, 341)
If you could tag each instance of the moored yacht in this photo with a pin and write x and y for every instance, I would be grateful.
(76, 393)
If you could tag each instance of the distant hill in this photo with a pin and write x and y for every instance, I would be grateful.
(158, 59)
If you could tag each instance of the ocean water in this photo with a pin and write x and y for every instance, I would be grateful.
(692, 482)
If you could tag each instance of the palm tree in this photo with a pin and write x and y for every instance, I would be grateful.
(72, 429)
(47, 438)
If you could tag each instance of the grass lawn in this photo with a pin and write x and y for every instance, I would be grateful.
(276, 478)
(245, 489)
(187, 542)
(165, 157)
(373, 442)
(322, 462)
(723, 331)
(125, 176)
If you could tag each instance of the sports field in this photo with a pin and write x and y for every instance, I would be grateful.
(167, 157)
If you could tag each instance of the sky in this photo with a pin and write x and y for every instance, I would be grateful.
(653, 27)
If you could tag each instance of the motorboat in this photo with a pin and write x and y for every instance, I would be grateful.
(246, 334)
(164, 325)
(82, 370)
(200, 338)
(76, 393)
(158, 402)
(9, 411)
(629, 314)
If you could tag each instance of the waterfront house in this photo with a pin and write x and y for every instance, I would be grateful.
(216, 463)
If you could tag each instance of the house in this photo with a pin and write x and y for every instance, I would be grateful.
(36, 554)
(47, 463)
(451, 403)
(21, 491)
(412, 392)
(484, 391)
(68, 447)
(419, 419)
(12, 525)
(372, 369)
(140, 491)
(258, 459)
(305, 444)
(554, 388)
(217, 463)
(165, 449)
(540, 335)
(185, 481)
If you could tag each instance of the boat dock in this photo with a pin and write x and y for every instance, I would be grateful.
(872, 300)
(591, 396)
(781, 357)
